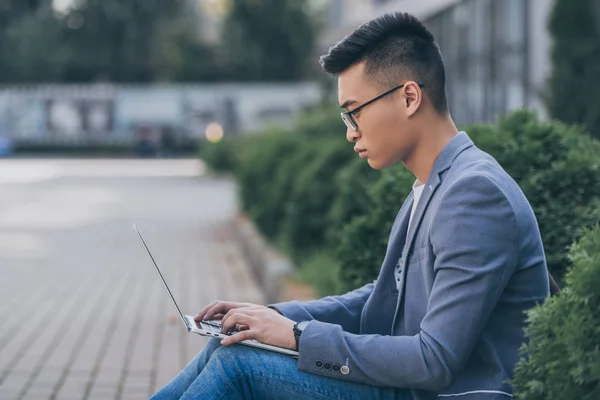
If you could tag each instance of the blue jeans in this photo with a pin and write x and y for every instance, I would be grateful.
(242, 372)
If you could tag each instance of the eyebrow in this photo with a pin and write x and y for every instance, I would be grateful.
(347, 103)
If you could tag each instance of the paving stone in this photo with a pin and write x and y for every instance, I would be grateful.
(83, 309)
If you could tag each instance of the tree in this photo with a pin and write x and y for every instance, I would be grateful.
(561, 358)
(108, 40)
(120, 41)
(267, 39)
(30, 43)
(573, 86)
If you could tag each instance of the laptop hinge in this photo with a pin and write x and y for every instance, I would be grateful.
(187, 324)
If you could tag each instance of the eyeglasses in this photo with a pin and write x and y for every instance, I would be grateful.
(348, 117)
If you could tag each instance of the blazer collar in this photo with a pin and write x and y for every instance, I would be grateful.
(457, 145)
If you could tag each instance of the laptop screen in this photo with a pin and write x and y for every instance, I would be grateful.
(185, 322)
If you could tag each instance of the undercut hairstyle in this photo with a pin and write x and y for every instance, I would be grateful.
(396, 47)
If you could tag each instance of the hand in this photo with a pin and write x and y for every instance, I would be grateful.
(217, 309)
(263, 325)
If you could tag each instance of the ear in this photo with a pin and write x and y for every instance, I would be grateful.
(413, 96)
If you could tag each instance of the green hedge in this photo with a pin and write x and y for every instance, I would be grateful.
(562, 357)
(307, 191)
(259, 165)
(222, 156)
(558, 167)
(364, 239)
(312, 193)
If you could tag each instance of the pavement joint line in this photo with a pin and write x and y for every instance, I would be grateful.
(18, 323)
(9, 305)
(159, 336)
(183, 333)
(83, 336)
(108, 335)
(56, 340)
(34, 335)
(133, 334)
(93, 222)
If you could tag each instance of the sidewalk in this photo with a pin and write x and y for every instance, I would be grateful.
(83, 313)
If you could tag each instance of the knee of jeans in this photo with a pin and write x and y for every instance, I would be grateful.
(236, 360)
(212, 344)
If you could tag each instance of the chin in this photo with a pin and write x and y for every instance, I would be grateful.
(377, 164)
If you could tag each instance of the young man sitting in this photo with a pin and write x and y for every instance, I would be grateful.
(445, 318)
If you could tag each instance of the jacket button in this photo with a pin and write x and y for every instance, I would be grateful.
(319, 364)
(345, 370)
(327, 365)
(336, 367)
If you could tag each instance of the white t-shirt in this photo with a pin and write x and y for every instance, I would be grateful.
(417, 191)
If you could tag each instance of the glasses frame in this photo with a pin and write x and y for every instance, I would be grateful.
(348, 116)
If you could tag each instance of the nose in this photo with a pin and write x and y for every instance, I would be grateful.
(352, 135)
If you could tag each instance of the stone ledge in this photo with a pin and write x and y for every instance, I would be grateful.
(273, 271)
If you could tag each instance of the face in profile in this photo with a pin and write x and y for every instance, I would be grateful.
(384, 133)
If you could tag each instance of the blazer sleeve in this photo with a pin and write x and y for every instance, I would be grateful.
(474, 240)
(344, 310)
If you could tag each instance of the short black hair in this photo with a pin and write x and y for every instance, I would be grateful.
(395, 46)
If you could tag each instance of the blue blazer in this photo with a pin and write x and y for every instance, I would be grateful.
(471, 265)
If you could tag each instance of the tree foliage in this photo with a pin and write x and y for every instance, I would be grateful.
(152, 40)
(573, 86)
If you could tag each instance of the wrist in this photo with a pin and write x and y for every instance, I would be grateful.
(298, 330)
(276, 310)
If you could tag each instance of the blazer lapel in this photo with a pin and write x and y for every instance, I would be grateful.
(398, 234)
(456, 146)
(430, 187)
(443, 162)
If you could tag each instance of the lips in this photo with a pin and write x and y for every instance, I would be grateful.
(362, 153)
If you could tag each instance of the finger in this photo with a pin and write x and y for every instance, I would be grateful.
(230, 313)
(202, 312)
(241, 327)
(219, 308)
(237, 318)
(215, 308)
(238, 337)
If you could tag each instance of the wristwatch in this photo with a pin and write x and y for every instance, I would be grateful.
(298, 329)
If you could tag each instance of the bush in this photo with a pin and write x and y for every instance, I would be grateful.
(305, 190)
(321, 122)
(259, 163)
(364, 239)
(320, 270)
(312, 196)
(557, 167)
(352, 198)
(562, 358)
(222, 156)
(278, 200)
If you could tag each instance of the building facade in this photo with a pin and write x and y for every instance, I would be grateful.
(112, 114)
(496, 52)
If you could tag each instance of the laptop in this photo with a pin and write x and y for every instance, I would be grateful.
(209, 328)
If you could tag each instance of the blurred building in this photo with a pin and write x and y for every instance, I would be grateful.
(497, 52)
(112, 114)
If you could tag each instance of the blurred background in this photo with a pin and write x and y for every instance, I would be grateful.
(209, 124)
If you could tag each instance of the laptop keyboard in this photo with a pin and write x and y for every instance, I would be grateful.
(214, 327)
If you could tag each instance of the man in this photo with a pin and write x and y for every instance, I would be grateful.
(464, 261)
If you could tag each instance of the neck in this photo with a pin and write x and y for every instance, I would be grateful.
(432, 140)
